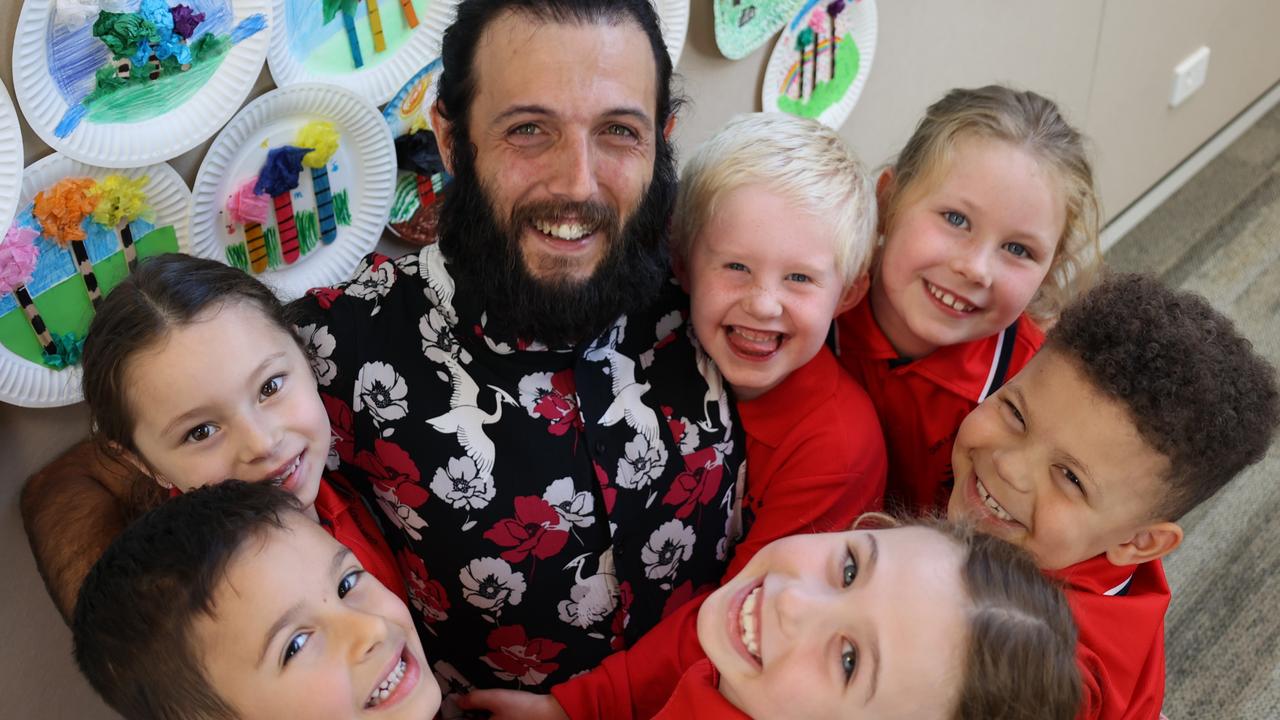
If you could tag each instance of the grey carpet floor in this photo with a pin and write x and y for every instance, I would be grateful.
(1219, 236)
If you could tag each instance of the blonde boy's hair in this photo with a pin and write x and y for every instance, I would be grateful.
(801, 160)
(1034, 124)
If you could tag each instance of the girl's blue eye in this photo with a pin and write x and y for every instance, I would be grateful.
(200, 433)
(848, 660)
(349, 582)
(272, 386)
(850, 571)
(1018, 250)
(955, 219)
(295, 646)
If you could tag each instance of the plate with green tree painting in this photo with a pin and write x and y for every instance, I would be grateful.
(123, 83)
(296, 188)
(79, 230)
(821, 61)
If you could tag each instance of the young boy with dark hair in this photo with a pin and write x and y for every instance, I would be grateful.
(1143, 402)
(228, 602)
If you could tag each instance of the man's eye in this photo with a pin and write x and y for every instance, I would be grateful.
(850, 571)
(955, 219)
(295, 646)
(621, 131)
(525, 129)
(1018, 250)
(848, 660)
(272, 386)
(201, 432)
(349, 582)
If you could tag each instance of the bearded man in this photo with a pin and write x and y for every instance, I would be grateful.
(524, 402)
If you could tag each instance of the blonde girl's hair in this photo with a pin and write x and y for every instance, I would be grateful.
(1020, 663)
(1033, 123)
(801, 160)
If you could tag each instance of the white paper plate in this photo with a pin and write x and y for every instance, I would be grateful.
(298, 25)
(366, 161)
(10, 158)
(128, 144)
(29, 384)
(858, 19)
(674, 16)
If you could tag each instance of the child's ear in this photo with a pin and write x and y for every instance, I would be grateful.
(854, 293)
(444, 134)
(133, 459)
(884, 192)
(1149, 543)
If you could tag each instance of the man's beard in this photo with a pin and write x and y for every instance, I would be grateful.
(484, 254)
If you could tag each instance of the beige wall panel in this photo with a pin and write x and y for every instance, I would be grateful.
(1137, 136)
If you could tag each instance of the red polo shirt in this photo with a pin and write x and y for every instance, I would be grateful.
(1119, 612)
(922, 401)
(698, 697)
(343, 515)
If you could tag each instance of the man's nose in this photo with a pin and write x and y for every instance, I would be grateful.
(573, 174)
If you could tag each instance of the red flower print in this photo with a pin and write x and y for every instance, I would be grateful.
(532, 531)
(609, 493)
(427, 595)
(325, 296)
(621, 617)
(681, 595)
(552, 397)
(341, 424)
(514, 656)
(697, 484)
(392, 471)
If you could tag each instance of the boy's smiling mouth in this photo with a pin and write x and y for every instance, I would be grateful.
(991, 503)
(753, 344)
(404, 672)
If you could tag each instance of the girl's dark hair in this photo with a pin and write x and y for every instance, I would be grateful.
(133, 625)
(165, 292)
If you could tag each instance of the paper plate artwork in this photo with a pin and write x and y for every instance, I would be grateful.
(821, 60)
(78, 232)
(10, 157)
(296, 188)
(744, 25)
(420, 178)
(368, 46)
(674, 17)
(121, 83)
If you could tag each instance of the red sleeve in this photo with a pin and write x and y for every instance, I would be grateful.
(636, 683)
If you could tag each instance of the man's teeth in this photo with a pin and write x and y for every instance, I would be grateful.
(564, 231)
(948, 299)
(747, 619)
(279, 479)
(383, 691)
(995, 507)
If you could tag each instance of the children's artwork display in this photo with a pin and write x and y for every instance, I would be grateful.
(124, 83)
(821, 61)
(368, 46)
(744, 25)
(296, 188)
(79, 230)
(420, 175)
(10, 157)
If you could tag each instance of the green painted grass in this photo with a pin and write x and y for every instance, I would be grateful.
(238, 256)
(333, 56)
(342, 207)
(274, 258)
(141, 99)
(828, 92)
(406, 199)
(308, 230)
(65, 307)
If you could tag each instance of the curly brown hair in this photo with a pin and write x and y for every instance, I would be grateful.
(1192, 384)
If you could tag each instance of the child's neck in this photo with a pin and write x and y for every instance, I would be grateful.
(894, 326)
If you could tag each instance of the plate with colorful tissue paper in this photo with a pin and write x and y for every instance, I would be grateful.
(78, 231)
(296, 188)
(125, 83)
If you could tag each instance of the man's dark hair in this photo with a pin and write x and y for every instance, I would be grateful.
(1192, 385)
(478, 244)
(133, 622)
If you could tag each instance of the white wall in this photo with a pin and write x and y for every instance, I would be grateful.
(1108, 63)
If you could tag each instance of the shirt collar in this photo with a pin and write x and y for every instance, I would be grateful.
(770, 417)
(1097, 575)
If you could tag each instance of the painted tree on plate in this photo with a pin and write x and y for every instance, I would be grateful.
(278, 178)
(322, 137)
(834, 9)
(18, 258)
(250, 208)
(121, 201)
(61, 211)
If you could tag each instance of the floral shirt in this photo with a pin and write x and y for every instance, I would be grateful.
(547, 507)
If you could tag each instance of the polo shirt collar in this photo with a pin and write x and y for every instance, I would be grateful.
(770, 417)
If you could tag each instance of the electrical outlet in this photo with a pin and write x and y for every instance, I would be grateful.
(1189, 76)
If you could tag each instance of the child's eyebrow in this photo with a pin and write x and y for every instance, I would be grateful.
(873, 643)
(283, 621)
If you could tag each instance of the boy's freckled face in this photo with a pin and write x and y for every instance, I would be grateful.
(1053, 465)
(297, 594)
(838, 625)
(229, 396)
(763, 283)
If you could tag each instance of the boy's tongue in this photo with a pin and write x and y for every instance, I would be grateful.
(754, 342)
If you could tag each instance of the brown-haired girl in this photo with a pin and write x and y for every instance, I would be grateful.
(988, 223)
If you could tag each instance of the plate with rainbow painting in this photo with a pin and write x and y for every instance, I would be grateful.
(78, 231)
(821, 61)
(421, 179)
(371, 47)
(124, 83)
(296, 188)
